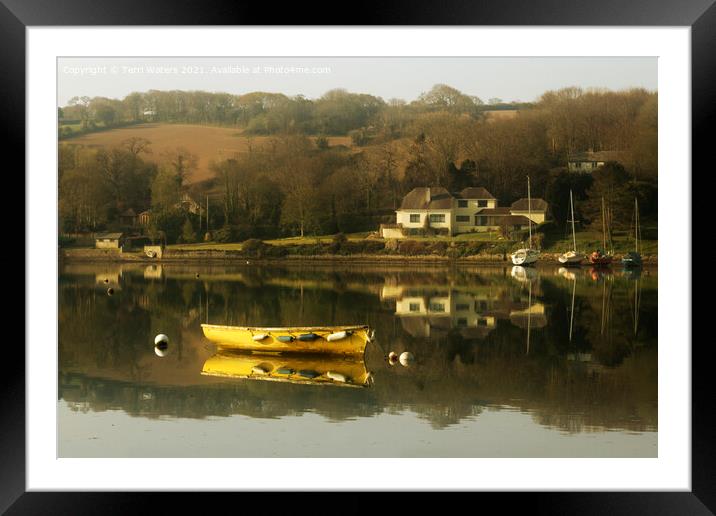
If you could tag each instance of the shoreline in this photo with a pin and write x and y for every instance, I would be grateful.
(236, 258)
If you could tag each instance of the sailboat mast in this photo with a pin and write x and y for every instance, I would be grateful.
(636, 225)
(574, 237)
(529, 210)
(604, 228)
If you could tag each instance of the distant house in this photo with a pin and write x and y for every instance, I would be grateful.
(471, 210)
(188, 203)
(586, 162)
(108, 240)
(144, 217)
(128, 218)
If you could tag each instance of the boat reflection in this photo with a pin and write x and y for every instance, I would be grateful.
(523, 274)
(341, 371)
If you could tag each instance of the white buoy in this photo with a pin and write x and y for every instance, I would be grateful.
(392, 358)
(161, 349)
(259, 336)
(161, 339)
(110, 291)
(406, 358)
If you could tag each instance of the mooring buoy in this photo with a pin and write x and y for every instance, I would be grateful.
(406, 358)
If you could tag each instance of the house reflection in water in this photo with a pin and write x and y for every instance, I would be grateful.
(434, 311)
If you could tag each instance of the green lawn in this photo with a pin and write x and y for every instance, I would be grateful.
(587, 241)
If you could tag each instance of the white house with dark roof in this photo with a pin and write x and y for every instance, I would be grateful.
(471, 210)
(587, 162)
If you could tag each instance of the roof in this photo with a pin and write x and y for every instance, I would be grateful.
(475, 192)
(596, 156)
(111, 236)
(432, 198)
(515, 220)
(493, 211)
(522, 205)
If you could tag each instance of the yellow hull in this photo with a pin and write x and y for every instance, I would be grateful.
(242, 338)
(300, 369)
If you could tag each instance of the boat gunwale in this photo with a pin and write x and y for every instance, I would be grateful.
(291, 329)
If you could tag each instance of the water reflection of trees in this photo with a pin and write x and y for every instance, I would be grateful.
(598, 379)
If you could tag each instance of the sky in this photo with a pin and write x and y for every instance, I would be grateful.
(507, 78)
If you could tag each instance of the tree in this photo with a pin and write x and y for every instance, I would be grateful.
(137, 145)
(187, 232)
(166, 189)
(610, 182)
(182, 161)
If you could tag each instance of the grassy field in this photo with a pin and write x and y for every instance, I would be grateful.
(207, 142)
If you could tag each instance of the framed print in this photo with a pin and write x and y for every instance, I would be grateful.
(398, 257)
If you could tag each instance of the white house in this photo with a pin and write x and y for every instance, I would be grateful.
(586, 162)
(471, 210)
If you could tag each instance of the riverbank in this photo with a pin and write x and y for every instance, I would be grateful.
(237, 256)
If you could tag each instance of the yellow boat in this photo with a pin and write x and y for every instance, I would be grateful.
(302, 369)
(339, 340)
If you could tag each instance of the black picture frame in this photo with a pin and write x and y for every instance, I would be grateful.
(700, 15)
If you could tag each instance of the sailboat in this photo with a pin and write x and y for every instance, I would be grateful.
(601, 257)
(526, 255)
(633, 258)
(571, 257)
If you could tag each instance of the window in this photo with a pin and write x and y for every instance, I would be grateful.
(482, 204)
(414, 307)
(480, 221)
(414, 217)
(482, 321)
(437, 307)
(462, 307)
(463, 218)
(462, 321)
(437, 217)
(462, 204)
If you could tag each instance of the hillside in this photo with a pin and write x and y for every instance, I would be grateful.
(206, 142)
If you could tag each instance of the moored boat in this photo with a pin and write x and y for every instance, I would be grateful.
(571, 257)
(346, 371)
(526, 255)
(633, 258)
(604, 258)
(600, 259)
(339, 340)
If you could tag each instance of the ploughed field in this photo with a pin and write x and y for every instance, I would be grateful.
(206, 142)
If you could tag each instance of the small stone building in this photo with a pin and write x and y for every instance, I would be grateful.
(108, 240)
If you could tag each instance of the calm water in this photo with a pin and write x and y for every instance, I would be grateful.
(552, 363)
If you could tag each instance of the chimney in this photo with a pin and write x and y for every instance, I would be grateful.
(427, 195)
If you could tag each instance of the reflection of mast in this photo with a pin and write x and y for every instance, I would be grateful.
(571, 312)
(529, 315)
(606, 307)
(637, 304)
